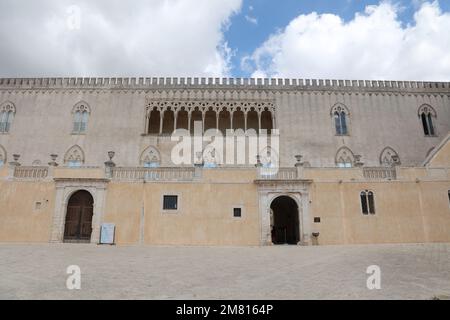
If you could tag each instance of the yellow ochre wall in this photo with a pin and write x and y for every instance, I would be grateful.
(405, 212)
(414, 208)
(20, 219)
(204, 216)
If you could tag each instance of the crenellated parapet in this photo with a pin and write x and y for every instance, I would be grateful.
(224, 83)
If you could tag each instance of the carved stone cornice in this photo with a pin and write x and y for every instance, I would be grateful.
(284, 182)
(67, 182)
(204, 105)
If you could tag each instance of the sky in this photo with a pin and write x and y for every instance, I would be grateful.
(339, 39)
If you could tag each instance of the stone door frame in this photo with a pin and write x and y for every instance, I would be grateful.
(298, 190)
(65, 188)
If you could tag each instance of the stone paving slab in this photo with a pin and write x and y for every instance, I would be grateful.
(408, 271)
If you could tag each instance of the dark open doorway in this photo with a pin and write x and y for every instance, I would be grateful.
(78, 226)
(285, 221)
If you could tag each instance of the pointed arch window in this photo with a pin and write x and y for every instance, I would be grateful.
(74, 157)
(345, 158)
(150, 158)
(367, 202)
(7, 112)
(427, 115)
(2, 156)
(389, 158)
(340, 115)
(81, 113)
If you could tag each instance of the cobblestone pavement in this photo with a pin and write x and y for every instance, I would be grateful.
(408, 271)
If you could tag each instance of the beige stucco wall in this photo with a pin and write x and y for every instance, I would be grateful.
(406, 210)
(379, 117)
(204, 216)
(20, 219)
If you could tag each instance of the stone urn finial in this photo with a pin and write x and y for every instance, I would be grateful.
(110, 163)
(53, 162)
(395, 160)
(358, 162)
(299, 162)
(16, 160)
(258, 161)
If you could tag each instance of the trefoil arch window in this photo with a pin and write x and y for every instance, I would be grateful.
(340, 114)
(427, 115)
(81, 112)
(7, 112)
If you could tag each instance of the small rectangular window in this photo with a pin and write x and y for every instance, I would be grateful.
(170, 203)
(316, 219)
(237, 212)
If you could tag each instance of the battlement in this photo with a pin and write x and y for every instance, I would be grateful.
(244, 83)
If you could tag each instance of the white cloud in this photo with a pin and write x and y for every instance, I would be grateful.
(374, 45)
(252, 20)
(115, 38)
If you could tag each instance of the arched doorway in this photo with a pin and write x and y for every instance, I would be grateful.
(78, 226)
(285, 221)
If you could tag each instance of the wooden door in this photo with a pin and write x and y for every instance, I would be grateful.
(78, 226)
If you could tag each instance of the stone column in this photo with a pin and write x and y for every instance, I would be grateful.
(175, 117)
(245, 121)
(217, 120)
(259, 121)
(231, 119)
(203, 121)
(189, 121)
(161, 121)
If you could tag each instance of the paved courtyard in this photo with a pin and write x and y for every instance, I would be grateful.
(413, 271)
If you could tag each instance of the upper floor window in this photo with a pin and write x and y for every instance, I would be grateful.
(340, 115)
(2, 156)
(367, 202)
(7, 112)
(81, 113)
(426, 115)
(345, 158)
(165, 117)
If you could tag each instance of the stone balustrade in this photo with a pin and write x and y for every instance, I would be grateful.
(278, 174)
(191, 173)
(380, 173)
(30, 173)
(153, 174)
